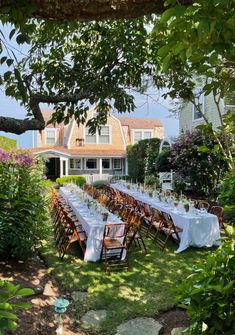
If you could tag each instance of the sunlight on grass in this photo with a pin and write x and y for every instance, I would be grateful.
(147, 287)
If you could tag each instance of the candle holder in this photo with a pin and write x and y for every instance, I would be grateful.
(60, 305)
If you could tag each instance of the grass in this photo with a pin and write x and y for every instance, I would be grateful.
(145, 289)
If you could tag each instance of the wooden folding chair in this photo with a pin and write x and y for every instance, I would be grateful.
(134, 232)
(114, 246)
(203, 204)
(169, 229)
(154, 223)
(218, 211)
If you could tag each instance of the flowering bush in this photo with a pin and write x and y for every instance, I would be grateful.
(22, 214)
(197, 158)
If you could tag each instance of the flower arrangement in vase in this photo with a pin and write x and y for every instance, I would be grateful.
(105, 216)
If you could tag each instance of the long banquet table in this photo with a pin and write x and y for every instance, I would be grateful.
(92, 223)
(199, 229)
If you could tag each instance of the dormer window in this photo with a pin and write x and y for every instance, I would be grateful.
(51, 135)
(102, 137)
(197, 112)
(142, 135)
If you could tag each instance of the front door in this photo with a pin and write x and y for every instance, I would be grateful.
(53, 168)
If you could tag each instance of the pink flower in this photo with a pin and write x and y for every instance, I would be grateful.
(24, 160)
(4, 156)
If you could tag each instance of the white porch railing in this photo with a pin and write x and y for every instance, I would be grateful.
(91, 178)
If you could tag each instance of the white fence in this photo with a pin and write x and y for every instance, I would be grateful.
(166, 179)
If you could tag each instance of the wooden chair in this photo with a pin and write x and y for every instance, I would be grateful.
(218, 211)
(70, 236)
(134, 232)
(154, 224)
(114, 246)
(203, 204)
(169, 229)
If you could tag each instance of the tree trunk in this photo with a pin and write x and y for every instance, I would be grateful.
(91, 9)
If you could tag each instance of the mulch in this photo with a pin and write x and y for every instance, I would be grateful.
(41, 319)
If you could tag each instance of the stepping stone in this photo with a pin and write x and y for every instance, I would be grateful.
(139, 326)
(92, 319)
(79, 296)
(177, 331)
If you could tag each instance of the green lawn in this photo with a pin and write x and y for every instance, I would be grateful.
(143, 290)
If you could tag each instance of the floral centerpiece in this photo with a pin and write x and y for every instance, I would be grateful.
(105, 216)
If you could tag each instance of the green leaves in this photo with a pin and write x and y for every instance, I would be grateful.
(211, 307)
(8, 295)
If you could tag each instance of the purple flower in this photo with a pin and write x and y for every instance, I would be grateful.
(4, 156)
(44, 177)
(24, 160)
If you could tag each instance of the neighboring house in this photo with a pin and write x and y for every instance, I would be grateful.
(190, 118)
(72, 150)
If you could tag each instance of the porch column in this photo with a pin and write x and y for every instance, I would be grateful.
(66, 167)
(100, 166)
(126, 166)
(61, 167)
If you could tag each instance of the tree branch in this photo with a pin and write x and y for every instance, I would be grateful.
(71, 10)
(16, 126)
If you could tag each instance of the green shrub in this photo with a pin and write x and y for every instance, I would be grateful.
(141, 158)
(195, 159)
(23, 219)
(152, 181)
(229, 214)
(97, 184)
(227, 190)
(8, 292)
(208, 294)
(7, 144)
(48, 183)
(79, 180)
(179, 185)
(163, 163)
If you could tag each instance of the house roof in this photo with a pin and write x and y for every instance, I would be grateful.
(140, 123)
(80, 151)
(47, 114)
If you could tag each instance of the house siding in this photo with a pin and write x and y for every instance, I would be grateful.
(186, 121)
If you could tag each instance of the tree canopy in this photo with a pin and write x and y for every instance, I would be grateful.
(73, 65)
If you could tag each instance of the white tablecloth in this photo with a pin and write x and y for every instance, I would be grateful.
(91, 221)
(198, 230)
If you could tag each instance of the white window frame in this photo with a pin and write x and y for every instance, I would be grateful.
(87, 169)
(97, 136)
(142, 134)
(120, 165)
(202, 101)
(75, 168)
(91, 135)
(110, 164)
(55, 132)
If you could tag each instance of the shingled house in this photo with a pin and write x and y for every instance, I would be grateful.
(72, 150)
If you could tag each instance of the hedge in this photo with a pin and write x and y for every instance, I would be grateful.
(7, 144)
(79, 180)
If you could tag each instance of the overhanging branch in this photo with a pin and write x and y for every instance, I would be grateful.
(78, 10)
(16, 126)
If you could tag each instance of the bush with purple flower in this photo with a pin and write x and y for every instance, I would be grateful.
(22, 207)
(197, 159)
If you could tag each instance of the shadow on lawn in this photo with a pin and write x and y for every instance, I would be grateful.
(146, 288)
